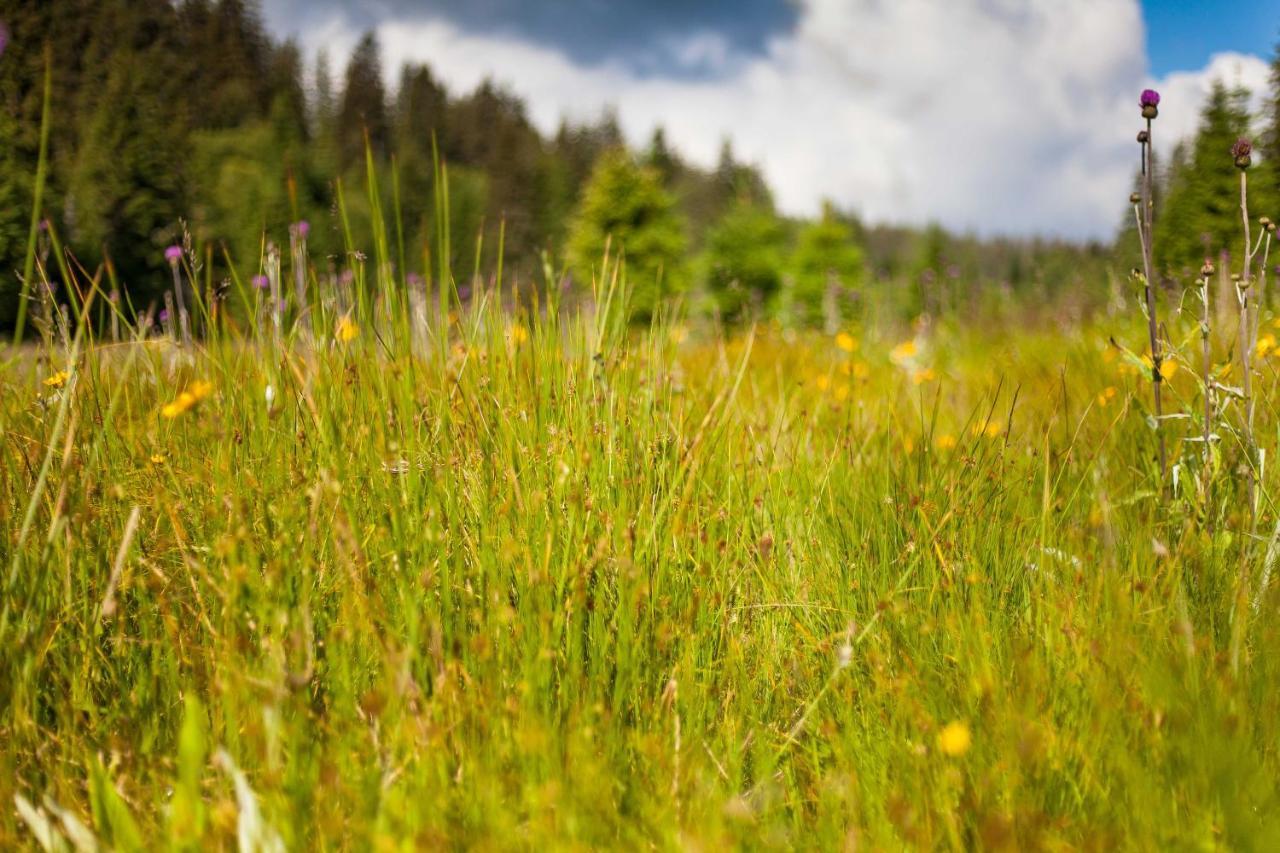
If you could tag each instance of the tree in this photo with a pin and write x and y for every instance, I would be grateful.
(363, 108)
(827, 258)
(1200, 216)
(626, 202)
(744, 258)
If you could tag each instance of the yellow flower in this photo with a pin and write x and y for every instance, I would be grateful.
(158, 459)
(1106, 395)
(991, 430)
(861, 370)
(954, 739)
(1168, 366)
(946, 441)
(846, 342)
(187, 400)
(678, 334)
(1266, 345)
(920, 377)
(842, 391)
(57, 380)
(518, 334)
(823, 382)
(347, 330)
(903, 351)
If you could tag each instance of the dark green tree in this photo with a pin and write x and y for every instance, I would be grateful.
(744, 258)
(363, 108)
(827, 261)
(624, 203)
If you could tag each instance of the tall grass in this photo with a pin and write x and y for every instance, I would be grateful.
(405, 571)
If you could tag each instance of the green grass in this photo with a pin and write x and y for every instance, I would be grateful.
(530, 579)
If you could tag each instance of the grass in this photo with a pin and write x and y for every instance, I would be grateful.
(527, 578)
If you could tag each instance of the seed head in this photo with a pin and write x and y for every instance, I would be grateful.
(1149, 101)
(1242, 151)
(1143, 137)
(1134, 198)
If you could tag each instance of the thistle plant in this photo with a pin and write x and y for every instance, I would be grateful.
(1143, 211)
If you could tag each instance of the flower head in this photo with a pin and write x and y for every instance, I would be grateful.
(164, 315)
(846, 342)
(261, 282)
(173, 254)
(1149, 101)
(1242, 151)
(303, 228)
(347, 330)
(954, 740)
(57, 380)
(188, 399)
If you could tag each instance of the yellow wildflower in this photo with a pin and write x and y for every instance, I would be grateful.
(920, 377)
(846, 342)
(1168, 366)
(188, 399)
(954, 740)
(1266, 345)
(158, 459)
(347, 330)
(946, 441)
(842, 391)
(861, 370)
(518, 334)
(991, 429)
(57, 380)
(1106, 395)
(823, 382)
(903, 351)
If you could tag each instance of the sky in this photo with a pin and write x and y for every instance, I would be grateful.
(1008, 117)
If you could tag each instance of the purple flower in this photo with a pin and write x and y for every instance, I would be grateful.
(1241, 151)
(347, 277)
(414, 279)
(261, 282)
(304, 228)
(164, 315)
(114, 296)
(1149, 100)
(4, 37)
(173, 254)
(464, 293)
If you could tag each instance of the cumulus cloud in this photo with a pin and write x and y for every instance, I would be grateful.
(997, 116)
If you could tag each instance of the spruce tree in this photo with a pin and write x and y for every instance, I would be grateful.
(626, 202)
(363, 107)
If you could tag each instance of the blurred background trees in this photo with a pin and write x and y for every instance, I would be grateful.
(170, 112)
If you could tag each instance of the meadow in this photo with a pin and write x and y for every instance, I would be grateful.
(510, 572)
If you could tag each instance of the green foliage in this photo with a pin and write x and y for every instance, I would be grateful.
(827, 262)
(744, 259)
(625, 207)
(1200, 217)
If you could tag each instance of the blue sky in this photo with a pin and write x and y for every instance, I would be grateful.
(991, 116)
(1183, 34)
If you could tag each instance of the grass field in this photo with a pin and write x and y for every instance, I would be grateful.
(548, 581)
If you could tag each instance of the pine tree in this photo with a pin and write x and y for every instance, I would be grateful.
(827, 258)
(626, 202)
(363, 107)
(1200, 216)
(744, 257)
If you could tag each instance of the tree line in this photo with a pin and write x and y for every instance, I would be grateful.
(189, 115)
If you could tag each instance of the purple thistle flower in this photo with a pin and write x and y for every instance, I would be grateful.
(1241, 151)
(261, 282)
(1149, 101)
(173, 254)
(304, 228)
(464, 293)
(414, 279)
(164, 315)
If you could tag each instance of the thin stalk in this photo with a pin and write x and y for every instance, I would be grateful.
(1148, 266)
(1247, 344)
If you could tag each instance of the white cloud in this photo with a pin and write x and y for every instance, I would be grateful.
(1001, 116)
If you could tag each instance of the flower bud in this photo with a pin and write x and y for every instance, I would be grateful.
(1143, 137)
(1134, 198)
(1149, 100)
(1207, 269)
(1241, 151)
